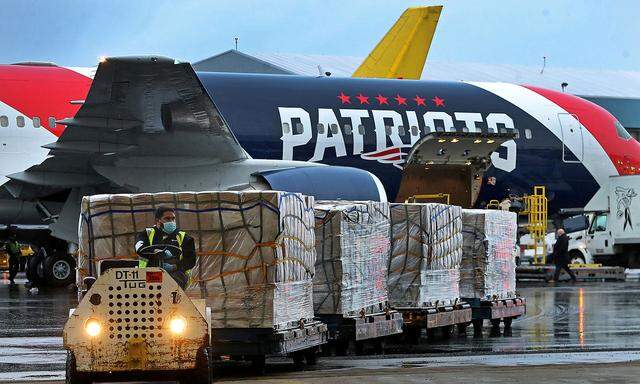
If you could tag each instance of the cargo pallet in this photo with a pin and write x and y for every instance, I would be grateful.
(346, 332)
(495, 310)
(434, 317)
(583, 272)
(256, 344)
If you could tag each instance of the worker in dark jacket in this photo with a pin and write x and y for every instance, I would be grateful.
(13, 251)
(166, 232)
(561, 255)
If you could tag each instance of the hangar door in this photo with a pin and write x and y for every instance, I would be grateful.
(572, 145)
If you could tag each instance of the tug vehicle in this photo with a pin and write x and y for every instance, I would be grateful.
(137, 324)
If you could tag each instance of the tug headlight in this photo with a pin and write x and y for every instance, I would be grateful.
(92, 327)
(178, 324)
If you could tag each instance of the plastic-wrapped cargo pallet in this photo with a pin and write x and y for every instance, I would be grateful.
(352, 246)
(488, 263)
(426, 250)
(255, 250)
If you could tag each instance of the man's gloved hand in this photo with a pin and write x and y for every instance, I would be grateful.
(168, 267)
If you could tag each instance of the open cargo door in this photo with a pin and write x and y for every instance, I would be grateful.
(449, 163)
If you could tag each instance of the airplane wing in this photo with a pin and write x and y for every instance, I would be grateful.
(402, 52)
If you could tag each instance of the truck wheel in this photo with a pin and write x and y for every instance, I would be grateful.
(203, 373)
(576, 258)
(59, 271)
(72, 375)
(258, 364)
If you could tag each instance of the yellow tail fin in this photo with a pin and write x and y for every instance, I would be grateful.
(402, 52)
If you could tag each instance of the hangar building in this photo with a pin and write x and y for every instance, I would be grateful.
(616, 91)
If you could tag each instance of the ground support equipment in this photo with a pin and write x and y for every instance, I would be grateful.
(442, 317)
(496, 311)
(256, 344)
(357, 333)
(584, 272)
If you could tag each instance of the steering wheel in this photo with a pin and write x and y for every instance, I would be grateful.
(152, 250)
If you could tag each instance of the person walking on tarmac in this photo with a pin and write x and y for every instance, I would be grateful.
(13, 250)
(561, 255)
(166, 232)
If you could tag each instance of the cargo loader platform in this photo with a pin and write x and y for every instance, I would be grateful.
(255, 344)
(431, 318)
(496, 311)
(584, 272)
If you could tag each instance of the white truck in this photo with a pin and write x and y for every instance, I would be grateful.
(613, 236)
(609, 234)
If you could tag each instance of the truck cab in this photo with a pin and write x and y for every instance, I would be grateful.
(599, 237)
(613, 236)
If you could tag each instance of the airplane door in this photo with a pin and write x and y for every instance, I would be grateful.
(572, 145)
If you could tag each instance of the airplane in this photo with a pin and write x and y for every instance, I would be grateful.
(561, 141)
(152, 124)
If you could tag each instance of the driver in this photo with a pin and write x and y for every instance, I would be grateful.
(166, 232)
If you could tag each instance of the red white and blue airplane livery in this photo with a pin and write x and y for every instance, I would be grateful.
(563, 142)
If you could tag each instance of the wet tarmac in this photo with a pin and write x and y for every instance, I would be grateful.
(585, 323)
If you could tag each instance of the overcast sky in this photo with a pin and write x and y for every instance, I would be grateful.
(571, 33)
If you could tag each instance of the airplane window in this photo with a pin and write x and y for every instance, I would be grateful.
(321, 128)
(465, 129)
(52, 122)
(4, 121)
(401, 130)
(517, 132)
(299, 128)
(20, 121)
(387, 130)
(527, 133)
(361, 129)
(36, 122)
(347, 129)
(285, 128)
(414, 131)
(334, 129)
(622, 132)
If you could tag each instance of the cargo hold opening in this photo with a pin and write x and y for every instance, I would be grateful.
(448, 166)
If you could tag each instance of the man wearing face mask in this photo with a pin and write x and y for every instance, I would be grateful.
(166, 232)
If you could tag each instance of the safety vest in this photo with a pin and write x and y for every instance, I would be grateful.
(142, 262)
(14, 248)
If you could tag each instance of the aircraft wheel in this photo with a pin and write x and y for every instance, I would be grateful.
(32, 269)
(59, 271)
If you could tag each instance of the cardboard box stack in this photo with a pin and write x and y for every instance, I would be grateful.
(426, 250)
(488, 263)
(255, 250)
(352, 244)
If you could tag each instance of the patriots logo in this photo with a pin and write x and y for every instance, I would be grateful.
(392, 155)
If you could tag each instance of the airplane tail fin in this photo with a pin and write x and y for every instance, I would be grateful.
(402, 52)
